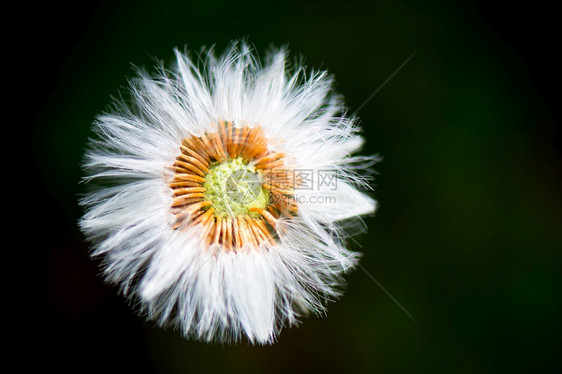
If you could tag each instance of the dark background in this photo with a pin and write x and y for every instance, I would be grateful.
(468, 234)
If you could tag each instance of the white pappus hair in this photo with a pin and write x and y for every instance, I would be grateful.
(175, 277)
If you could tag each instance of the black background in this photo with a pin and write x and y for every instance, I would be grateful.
(468, 234)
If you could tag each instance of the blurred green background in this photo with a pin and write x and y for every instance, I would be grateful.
(469, 230)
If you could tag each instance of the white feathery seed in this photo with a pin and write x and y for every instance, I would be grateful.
(175, 276)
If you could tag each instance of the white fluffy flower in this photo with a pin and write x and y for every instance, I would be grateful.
(219, 191)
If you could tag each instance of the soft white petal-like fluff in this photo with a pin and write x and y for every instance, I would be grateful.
(179, 280)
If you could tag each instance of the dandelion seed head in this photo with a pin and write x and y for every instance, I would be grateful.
(216, 220)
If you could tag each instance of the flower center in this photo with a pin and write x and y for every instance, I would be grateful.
(234, 187)
(222, 184)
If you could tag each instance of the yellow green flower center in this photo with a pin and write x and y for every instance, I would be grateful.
(234, 187)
